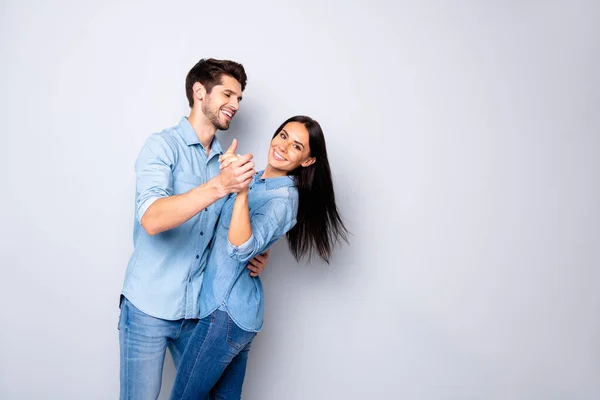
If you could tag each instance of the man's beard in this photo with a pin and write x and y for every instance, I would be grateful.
(213, 117)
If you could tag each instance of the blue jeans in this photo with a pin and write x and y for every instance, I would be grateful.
(143, 341)
(214, 362)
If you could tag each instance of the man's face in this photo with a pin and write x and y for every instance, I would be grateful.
(221, 104)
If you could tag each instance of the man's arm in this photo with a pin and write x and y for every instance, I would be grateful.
(170, 212)
(157, 209)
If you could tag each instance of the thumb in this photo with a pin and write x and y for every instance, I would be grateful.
(233, 147)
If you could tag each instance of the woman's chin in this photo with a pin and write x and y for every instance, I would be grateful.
(277, 168)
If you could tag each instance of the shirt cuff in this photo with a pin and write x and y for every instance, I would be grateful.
(144, 207)
(242, 251)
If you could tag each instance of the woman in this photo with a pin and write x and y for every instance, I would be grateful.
(293, 195)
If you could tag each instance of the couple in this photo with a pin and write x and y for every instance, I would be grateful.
(204, 221)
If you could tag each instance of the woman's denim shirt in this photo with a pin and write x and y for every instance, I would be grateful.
(227, 284)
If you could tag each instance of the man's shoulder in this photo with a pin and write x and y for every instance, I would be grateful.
(167, 135)
(168, 140)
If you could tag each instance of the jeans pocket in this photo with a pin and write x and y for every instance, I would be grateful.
(236, 336)
(121, 323)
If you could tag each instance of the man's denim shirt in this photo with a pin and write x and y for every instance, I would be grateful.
(164, 274)
(228, 286)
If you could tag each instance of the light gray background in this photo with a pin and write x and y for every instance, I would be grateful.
(464, 139)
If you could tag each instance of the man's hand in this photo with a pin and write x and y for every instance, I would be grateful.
(257, 264)
(239, 171)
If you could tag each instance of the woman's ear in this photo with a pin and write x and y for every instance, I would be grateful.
(309, 162)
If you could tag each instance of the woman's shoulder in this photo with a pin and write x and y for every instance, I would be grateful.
(283, 199)
(284, 194)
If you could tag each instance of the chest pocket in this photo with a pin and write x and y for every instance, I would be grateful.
(218, 206)
(183, 182)
(225, 212)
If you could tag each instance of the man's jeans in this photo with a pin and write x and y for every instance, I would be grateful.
(143, 340)
(214, 363)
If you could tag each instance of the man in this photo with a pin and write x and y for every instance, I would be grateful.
(180, 190)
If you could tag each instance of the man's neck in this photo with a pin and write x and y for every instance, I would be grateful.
(205, 130)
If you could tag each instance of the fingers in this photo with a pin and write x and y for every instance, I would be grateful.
(242, 185)
(241, 160)
(243, 172)
(254, 271)
(228, 156)
(233, 147)
(247, 175)
(242, 181)
(227, 159)
(256, 262)
(237, 172)
(257, 265)
(259, 260)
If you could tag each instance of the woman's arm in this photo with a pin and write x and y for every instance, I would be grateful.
(250, 235)
(240, 229)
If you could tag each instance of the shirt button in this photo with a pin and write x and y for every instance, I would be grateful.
(206, 209)
(197, 256)
(201, 233)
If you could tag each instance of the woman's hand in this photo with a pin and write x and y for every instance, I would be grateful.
(229, 156)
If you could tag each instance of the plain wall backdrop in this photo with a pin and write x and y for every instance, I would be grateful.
(464, 139)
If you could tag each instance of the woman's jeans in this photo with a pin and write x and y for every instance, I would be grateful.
(214, 362)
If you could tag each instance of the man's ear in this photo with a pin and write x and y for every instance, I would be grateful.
(309, 162)
(199, 91)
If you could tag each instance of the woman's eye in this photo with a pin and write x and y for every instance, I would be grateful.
(297, 147)
(282, 135)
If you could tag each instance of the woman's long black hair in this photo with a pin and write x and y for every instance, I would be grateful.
(319, 225)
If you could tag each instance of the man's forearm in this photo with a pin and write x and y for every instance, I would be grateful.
(170, 212)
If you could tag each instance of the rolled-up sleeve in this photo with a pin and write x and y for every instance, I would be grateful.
(154, 178)
(269, 223)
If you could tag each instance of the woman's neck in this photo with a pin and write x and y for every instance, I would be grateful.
(271, 172)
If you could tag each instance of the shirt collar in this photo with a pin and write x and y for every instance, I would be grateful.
(274, 183)
(190, 137)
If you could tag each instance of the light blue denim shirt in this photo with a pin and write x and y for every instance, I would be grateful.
(165, 271)
(228, 286)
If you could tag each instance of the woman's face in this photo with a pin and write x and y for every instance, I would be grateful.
(289, 148)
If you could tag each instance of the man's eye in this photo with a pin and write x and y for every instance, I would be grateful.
(227, 95)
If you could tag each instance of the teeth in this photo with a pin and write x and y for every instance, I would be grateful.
(228, 114)
(277, 156)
